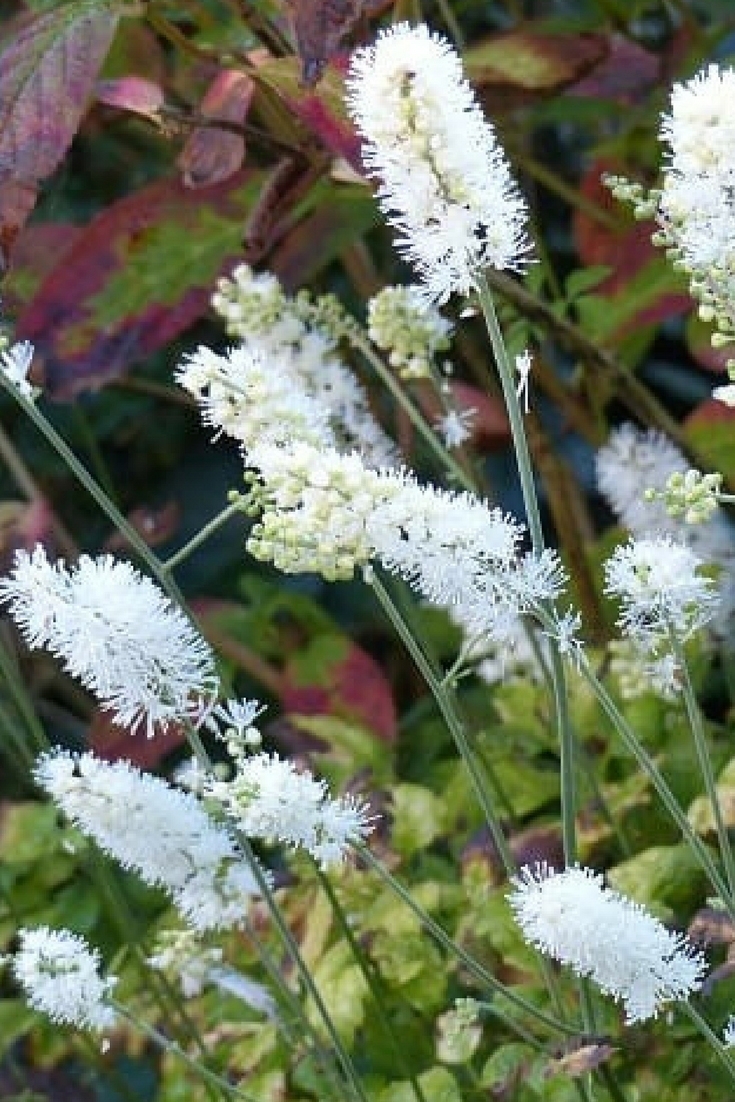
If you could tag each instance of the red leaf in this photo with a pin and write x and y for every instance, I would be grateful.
(353, 687)
(17, 200)
(319, 28)
(47, 75)
(112, 743)
(212, 155)
(35, 255)
(131, 93)
(322, 111)
(626, 74)
(110, 301)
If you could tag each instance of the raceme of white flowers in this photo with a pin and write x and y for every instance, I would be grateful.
(444, 182)
(195, 964)
(159, 832)
(328, 513)
(634, 460)
(696, 204)
(572, 917)
(294, 334)
(272, 800)
(661, 591)
(60, 976)
(116, 632)
(412, 332)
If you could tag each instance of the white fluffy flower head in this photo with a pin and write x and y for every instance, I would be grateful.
(116, 632)
(60, 975)
(15, 363)
(660, 590)
(411, 331)
(572, 917)
(161, 833)
(444, 181)
(271, 799)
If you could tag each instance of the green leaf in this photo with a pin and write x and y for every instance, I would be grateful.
(418, 818)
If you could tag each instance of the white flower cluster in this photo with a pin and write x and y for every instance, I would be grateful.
(283, 332)
(272, 800)
(60, 976)
(696, 208)
(635, 460)
(328, 513)
(444, 181)
(412, 332)
(117, 633)
(573, 918)
(661, 594)
(183, 955)
(159, 832)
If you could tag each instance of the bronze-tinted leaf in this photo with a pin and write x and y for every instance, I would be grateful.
(582, 1060)
(136, 276)
(319, 28)
(36, 253)
(532, 60)
(17, 200)
(47, 75)
(213, 154)
(131, 93)
(712, 927)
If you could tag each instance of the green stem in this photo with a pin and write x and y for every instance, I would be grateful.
(473, 966)
(694, 715)
(533, 514)
(453, 721)
(202, 536)
(665, 794)
(285, 934)
(374, 982)
(419, 422)
(94, 490)
(166, 1045)
(721, 1051)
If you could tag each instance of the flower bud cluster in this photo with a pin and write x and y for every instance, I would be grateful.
(412, 333)
(691, 495)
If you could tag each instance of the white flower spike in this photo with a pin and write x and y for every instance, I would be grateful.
(60, 975)
(573, 918)
(444, 181)
(117, 633)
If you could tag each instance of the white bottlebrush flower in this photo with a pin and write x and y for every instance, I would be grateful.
(635, 460)
(298, 350)
(15, 363)
(411, 331)
(444, 181)
(60, 976)
(271, 799)
(116, 632)
(159, 832)
(696, 208)
(573, 918)
(660, 590)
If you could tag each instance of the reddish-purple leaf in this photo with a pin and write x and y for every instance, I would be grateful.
(136, 276)
(322, 111)
(131, 93)
(47, 75)
(319, 28)
(626, 74)
(213, 154)
(36, 253)
(17, 200)
(349, 683)
(113, 743)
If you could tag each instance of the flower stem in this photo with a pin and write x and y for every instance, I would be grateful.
(665, 794)
(202, 536)
(721, 1051)
(694, 715)
(469, 961)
